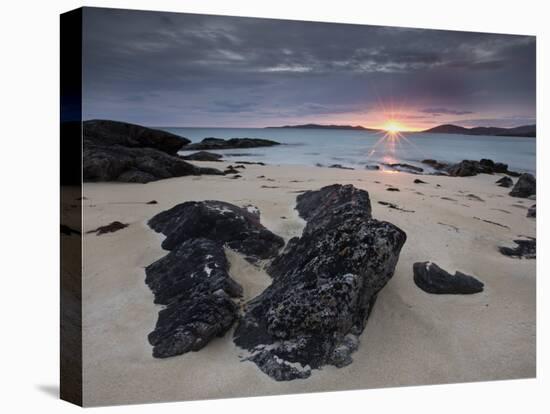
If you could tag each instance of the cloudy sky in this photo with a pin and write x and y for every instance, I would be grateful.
(171, 69)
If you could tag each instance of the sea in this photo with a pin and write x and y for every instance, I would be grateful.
(360, 149)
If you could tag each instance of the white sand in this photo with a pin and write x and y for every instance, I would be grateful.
(412, 338)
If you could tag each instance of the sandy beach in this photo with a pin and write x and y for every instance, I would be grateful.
(412, 337)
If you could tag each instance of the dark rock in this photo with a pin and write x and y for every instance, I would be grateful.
(194, 284)
(194, 267)
(505, 182)
(319, 208)
(465, 168)
(340, 166)
(532, 211)
(437, 165)
(234, 177)
(152, 202)
(392, 189)
(218, 143)
(251, 162)
(137, 165)
(225, 223)
(500, 168)
(418, 181)
(109, 228)
(525, 186)
(231, 170)
(372, 167)
(404, 167)
(394, 206)
(468, 168)
(104, 132)
(525, 249)
(203, 156)
(475, 197)
(325, 284)
(514, 174)
(432, 279)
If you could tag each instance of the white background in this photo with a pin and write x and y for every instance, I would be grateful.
(29, 223)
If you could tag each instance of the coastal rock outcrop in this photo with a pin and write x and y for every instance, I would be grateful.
(324, 286)
(134, 165)
(192, 280)
(437, 165)
(469, 168)
(526, 186)
(432, 279)
(532, 211)
(218, 143)
(194, 284)
(403, 167)
(116, 151)
(105, 132)
(223, 222)
(203, 156)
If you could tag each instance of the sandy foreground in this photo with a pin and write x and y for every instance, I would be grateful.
(412, 338)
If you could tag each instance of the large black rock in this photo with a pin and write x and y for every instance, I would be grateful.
(526, 186)
(105, 132)
(194, 284)
(325, 284)
(218, 143)
(117, 151)
(134, 165)
(223, 222)
(432, 279)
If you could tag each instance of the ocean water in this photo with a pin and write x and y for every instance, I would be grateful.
(357, 149)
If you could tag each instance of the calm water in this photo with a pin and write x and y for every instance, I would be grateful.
(357, 148)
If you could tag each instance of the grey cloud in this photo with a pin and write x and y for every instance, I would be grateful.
(207, 66)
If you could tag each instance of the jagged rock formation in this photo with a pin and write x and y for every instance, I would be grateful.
(117, 151)
(432, 279)
(194, 284)
(324, 286)
(223, 222)
(193, 280)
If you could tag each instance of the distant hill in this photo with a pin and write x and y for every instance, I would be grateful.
(319, 126)
(520, 131)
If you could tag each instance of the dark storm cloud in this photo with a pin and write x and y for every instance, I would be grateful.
(167, 68)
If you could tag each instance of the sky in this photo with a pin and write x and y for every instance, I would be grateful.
(173, 69)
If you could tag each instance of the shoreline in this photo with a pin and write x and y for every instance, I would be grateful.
(411, 338)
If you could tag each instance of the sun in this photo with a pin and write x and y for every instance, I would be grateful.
(392, 126)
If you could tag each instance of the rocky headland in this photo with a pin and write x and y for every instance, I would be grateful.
(118, 151)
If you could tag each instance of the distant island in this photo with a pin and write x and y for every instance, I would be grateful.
(520, 131)
(319, 126)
